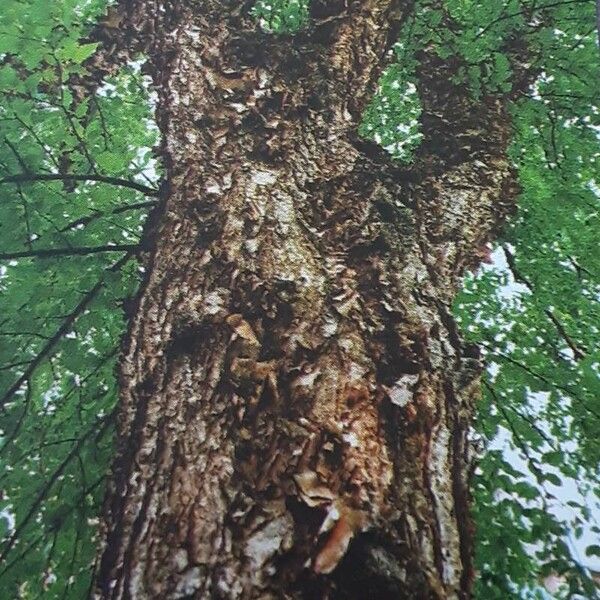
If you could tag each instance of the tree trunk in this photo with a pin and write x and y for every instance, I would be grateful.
(295, 397)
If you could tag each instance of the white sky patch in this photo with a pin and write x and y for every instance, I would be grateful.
(512, 289)
(8, 516)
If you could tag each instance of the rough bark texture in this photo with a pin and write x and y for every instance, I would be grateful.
(295, 396)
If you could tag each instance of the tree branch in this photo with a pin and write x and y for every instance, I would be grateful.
(33, 177)
(80, 251)
(525, 417)
(504, 17)
(551, 384)
(598, 19)
(19, 158)
(66, 396)
(98, 215)
(65, 327)
(531, 461)
(578, 267)
(98, 429)
(578, 354)
(13, 434)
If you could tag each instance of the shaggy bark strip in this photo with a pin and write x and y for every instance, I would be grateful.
(295, 396)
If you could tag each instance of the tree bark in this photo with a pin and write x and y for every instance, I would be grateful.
(295, 396)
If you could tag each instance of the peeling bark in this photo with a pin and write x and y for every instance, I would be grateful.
(295, 396)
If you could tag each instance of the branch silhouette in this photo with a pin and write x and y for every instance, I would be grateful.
(118, 181)
(77, 251)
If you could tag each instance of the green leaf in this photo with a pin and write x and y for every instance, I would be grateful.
(77, 53)
(593, 550)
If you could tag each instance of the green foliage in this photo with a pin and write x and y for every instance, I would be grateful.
(61, 321)
(478, 35)
(281, 16)
(536, 316)
(392, 117)
(474, 33)
(456, 33)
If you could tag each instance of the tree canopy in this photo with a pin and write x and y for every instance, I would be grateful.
(78, 177)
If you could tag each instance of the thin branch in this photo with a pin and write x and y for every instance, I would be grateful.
(69, 116)
(579, 267)
(551, 384)
(39, 141)
(33, 177)
(28, 231)
(531, 461)
(65, 327)
(504, 17)
(80, 251)
(20, 160)
(21, 333)
(50, 483)
(31, 546)
(9, 366)
(40, 538)
(13, 434)
(524, 416)
(578, 353)
(71, 579)
(31, 450)
(598, 19)
(105, 133)
(99, 214)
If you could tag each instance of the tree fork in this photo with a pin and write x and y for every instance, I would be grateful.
(295, 397)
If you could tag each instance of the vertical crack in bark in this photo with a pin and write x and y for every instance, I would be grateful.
(295, 398)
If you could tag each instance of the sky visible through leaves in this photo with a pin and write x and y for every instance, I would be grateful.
(67, 269)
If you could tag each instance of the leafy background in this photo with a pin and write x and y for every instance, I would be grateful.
(67, 268)
(62, 316)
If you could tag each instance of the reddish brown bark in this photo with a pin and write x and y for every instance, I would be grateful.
(295, 395)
